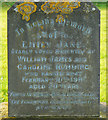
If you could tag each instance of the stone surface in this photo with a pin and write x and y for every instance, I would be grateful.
(54, 62)
(4, 112)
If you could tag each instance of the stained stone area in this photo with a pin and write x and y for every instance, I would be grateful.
(4, 112)
(54, 60)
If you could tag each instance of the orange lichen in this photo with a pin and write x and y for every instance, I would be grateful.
(26, 9)
(62, 7)
(59, 19)
(43, 45)
(42, 27)
(59, 7)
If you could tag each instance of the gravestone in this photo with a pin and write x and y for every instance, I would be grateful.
(53, 59)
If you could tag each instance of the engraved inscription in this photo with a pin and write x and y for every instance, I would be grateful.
(54, 64)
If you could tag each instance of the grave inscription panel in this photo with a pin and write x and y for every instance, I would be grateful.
(53, 60)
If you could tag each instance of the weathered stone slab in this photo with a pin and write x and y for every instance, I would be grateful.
(54, 59)
(4, 112)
